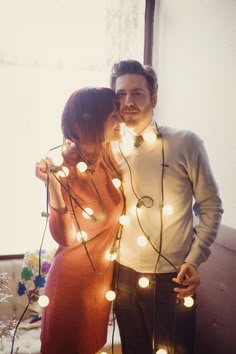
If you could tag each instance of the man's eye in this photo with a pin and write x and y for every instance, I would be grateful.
(121, 95)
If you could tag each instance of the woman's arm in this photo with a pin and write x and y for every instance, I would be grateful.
(42, 171)
(62, 229)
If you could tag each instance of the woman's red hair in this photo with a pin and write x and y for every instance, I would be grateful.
(84, 116)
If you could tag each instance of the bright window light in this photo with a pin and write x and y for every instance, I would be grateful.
(48, 49)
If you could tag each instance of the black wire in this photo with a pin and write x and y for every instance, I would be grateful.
(18, 323)
(113, 331)
(116, 271)
(153, 246)
(118, 235)
(44, 232)
(83, 242)
(73, 198)
(55, 147)
(140, 201)
(159, 251)
(117, 238)
(46, 224)
(39, 270)
(98, 195)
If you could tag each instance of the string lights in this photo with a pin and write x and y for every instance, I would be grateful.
(87, 213)
(59, 170)
(149, 137)
(143, 282)
(111, 254)
(43, 301)
(124, 220)
(161, 351)
(110, 295)
(82, 236)
(143, 239)
(188, 301)
(166, 210)
(116, 182)
(82, 166)
(64, 172)
(145, 201)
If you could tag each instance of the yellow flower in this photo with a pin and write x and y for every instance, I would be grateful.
(32, 260)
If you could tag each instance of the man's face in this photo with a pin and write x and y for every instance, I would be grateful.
(136, 105)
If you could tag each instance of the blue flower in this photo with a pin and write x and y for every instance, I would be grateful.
(21, 288)
(39, 281)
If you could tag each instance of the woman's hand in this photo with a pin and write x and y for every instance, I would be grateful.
(43, 172)
(42, 169)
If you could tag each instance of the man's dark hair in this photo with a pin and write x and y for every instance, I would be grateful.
(134, 67)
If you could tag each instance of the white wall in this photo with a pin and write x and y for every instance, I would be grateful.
(195, 59)
(48, 50)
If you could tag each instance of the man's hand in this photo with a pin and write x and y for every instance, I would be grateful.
(189, 278)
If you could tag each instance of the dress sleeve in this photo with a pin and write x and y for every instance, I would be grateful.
(208, 204)
(62, 227)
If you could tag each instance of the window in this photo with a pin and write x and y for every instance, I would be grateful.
(49, 48)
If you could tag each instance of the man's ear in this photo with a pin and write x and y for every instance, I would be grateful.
(154, 100)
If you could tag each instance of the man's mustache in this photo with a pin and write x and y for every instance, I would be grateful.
(129, 108)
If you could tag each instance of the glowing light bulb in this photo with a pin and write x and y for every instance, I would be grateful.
(167, 209)
(43, 301)
(110, 255)
(143, 282)
(188, 301)
(150, 137)
(82, 236)
(161, 351)
(110, 295)
(127, 144)
(103, 353)
(55, 156)
(87, 212)
(142, 240)
(133, 210)
(116, 182)
(68, 143)
(124, 220)
(82, 166)
(64, 172)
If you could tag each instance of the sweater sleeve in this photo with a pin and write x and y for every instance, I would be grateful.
(208, 205)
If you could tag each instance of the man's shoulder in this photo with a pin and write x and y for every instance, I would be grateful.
(175, 134)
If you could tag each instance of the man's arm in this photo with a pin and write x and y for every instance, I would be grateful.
(209, 211)
(208, 203)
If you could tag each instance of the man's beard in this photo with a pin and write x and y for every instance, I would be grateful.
(133, 119)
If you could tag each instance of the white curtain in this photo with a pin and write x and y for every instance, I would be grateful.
(49, 48)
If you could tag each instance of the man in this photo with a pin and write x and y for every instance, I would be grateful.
(164, 171)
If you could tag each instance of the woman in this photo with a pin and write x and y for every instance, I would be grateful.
(75, 321)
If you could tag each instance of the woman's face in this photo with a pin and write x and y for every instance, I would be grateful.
(112, 127)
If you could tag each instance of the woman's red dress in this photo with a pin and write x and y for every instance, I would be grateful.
(75, 321)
